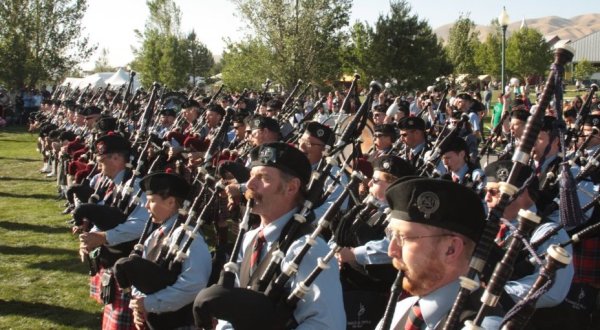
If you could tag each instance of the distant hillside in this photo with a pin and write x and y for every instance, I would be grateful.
(572, 28)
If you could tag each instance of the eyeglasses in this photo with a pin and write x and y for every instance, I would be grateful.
(309, 144)
(400, 240)
(492, 191)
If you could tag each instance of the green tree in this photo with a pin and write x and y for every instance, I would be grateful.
(41, 40)
(303, 38)
(101, 64)
(463, 42)
(201, 59)
(173, 63)
(404, 48)
(246, 64)
(583, 70)
(488, 55)
(355, 55)
(147, 56)
(527, 54)
(164, 54)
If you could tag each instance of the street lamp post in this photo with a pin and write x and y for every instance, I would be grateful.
(503, 19)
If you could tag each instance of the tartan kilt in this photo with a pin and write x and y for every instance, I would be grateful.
(117, 315)
(96, 286)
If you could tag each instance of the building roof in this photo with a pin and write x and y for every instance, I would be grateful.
(587, 47)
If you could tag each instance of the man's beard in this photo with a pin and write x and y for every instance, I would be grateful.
(420, 279)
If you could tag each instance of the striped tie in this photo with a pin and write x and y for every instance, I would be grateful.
(415, 319)
(256, 251)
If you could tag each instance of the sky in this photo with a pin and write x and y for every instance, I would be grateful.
(111, 23)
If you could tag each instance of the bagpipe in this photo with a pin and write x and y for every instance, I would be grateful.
(146, 116)
(132, 270)
(520, 160)
(200, 123)
(430, 163)
(165, 269)
(261, 300)
(299, 129)
(396, 290)
(573, 132)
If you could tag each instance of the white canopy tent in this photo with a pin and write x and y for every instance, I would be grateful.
(121, 77)
(96, 79)
(74, 82)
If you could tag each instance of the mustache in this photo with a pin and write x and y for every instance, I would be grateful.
(249, 194)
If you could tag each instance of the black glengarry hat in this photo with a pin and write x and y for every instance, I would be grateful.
(258, 122)
(407, 123)
(112, 143)
(393, 165)
(283, 157)
(499, 171)
(165, 184)
(321, 132)
(439, 203)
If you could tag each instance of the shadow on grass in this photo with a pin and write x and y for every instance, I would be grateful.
(72, 265)
(13, 140)
(8, 225)
(19, 159)
(36, 196)
(57, 314)
(34, 249)
(9, 178)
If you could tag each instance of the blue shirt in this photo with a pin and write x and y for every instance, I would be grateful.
(320, 211)
(435, 306)
(518, 289)
(133, 227)
(323, 306)
(373, 252)
(195, 272)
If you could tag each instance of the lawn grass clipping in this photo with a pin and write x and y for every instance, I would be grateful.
(43, 285)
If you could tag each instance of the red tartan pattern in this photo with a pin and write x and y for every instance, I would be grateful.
(118, 315)
(96, 287)
(586, 260)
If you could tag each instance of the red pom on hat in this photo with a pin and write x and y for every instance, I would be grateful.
(196, 144)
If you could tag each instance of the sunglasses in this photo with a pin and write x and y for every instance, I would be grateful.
(492, 191)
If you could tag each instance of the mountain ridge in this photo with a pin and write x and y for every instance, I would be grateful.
(565, 28)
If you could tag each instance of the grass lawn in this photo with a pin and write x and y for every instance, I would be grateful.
(43, 285)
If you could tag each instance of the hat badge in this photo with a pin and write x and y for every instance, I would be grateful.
(502, 174)
(320, 132)
(428, 202)
(411, 122)
(595, 121)
(267, 155)
(386, 165)
(256, 122)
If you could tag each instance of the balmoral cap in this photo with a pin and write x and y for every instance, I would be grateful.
(283, 157)
(439, 203)
(167, 184)
(393, 165)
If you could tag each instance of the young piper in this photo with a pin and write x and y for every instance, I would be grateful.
(171, 305)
